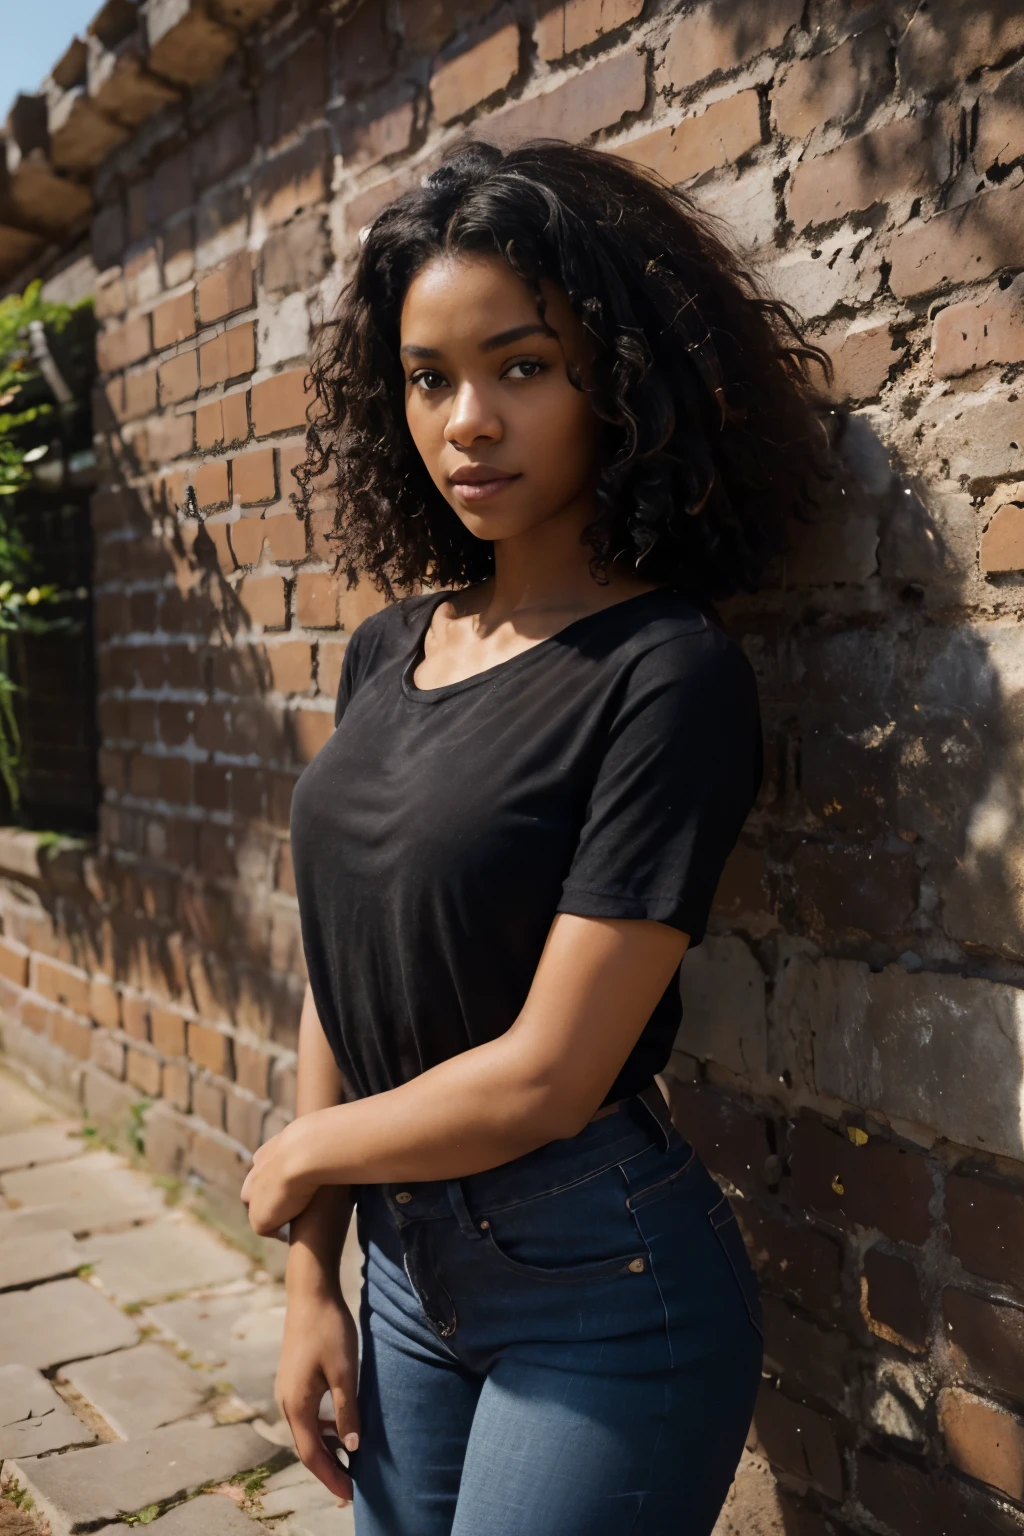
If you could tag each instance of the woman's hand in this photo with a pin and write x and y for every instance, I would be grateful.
(278, 1186)
(319, 1353)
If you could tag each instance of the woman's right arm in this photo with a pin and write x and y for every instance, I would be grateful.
(320, 1350)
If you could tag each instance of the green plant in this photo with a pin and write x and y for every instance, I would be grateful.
(46, 368)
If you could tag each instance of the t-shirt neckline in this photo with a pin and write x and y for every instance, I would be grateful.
(502, 668)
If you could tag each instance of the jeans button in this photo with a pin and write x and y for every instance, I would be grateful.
(403, 1197)
(636, 1265)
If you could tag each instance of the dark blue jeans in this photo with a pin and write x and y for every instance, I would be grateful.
(566, 1345)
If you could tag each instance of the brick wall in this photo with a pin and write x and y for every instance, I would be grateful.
(853, 1054)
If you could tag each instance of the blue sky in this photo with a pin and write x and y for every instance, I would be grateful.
(34, 37)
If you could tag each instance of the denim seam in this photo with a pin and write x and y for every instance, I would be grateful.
(715, 1227)
(638, 1194)
(559, 1189)
(654, 1276)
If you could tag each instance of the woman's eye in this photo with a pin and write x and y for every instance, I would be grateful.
(526, 368)
(429, 379)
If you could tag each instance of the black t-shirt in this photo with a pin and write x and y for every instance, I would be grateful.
(606, 771)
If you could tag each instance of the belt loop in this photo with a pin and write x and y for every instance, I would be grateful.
(461, 1210)
(649, 1108)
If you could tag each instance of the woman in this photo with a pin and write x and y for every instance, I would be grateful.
(554, 396)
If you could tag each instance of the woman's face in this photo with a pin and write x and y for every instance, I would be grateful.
(507, 439)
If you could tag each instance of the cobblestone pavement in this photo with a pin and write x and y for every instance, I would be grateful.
(137, 1353)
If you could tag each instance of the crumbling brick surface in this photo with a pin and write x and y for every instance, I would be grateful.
(851, 1059)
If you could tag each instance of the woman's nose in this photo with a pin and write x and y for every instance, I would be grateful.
(471, 419)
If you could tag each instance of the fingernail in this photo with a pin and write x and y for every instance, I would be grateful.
(344, 1503)
(351, 1442)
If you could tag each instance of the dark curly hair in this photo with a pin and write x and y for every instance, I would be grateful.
(714, 432)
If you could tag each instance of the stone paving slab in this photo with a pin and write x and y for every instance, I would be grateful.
(171, 1255)
(51, 1143)
(81, 1219)
(325, 1521)
(311, 1508)
(210, 1515)
(65, 1320)
(20, 1105)
(81, 1488)
(141, 1389)
(41, 1256)
(98, 1176)
(238, 1335)
(33, 1419)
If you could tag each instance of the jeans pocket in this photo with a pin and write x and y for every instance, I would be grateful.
(571, 1236)
(665, 1177)
(726, 1229)
(571, 1274)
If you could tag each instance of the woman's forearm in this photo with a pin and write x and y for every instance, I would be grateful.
(316, 1237)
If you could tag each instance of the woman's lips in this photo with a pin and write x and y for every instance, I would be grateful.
(482, 490)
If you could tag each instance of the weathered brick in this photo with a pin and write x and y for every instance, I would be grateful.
(226, 290)
(960, 245)
(912, 1503)
(986, 1340)
(329, 657)
(227, 356)
(135, 1015)
(810, 1360)
(284, 877)
(170, 436)
(357, 603)
(142, 1070)
(209, 1048)
(296, 256)
(459, 83)
(316, 599)
(223, 421)
(731, 1140)
(71, 1035)
(842, 85)
(891, 162)
(293, 180)
(426, 24)
(371, 130)
(291, 666)
(743, 898)
(179, 378)
(167, 1031)
(211, 483)
(107, 1053)
(286, 535)
(252, 477)
(791, 1259)
(1000, 137)
(279, 403)
(244, 1118)
(208, 1099)
(362, 50)
(875, 1184)
(104, 1002)
(120, 345)
(714, 38)
(853, 888)
(799, 1440)
(595, 98)
(986, 1227)
(973, 334)
(891, 1299)
(983, 1441)
(140, 394)
(170, 187)
(14, 962)
(862, 354)
(223, 147)
(263, 598)
(252, 1069)
(724, 132)
(176, 1088)
(174, 320)
(310, 730)
(60, 984)
(573, 24)
(944, 42)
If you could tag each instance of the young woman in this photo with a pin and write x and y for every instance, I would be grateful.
(562, 416)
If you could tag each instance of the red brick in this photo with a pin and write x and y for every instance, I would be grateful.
(143, 774)
(311, 729)
(284, 879)
(293, 180)
(986, 1341)
(575, 24)
(223, 421)
(170, 190)
(294, 93)
(862, 356)
(142, 1069)
(1002, 542)
(140, 397)
(913, 1504)
(252, 1069)
(594, 98)
(263, 598)
(891, 1300)
(107, 1053)
(842, 85)
(291, 666)
(362, 50)
(1001, 121)
(252, 477)
(280, 402)
(731, 1140)
(211, 483)
(170, 436)
(210, 1049)
(986, 1227)
(839, 889)
(873, 1185)
(876, 167)
(227, 289)
(227, 356)
(179, 378)
(799, 1440)
(174, 780)
(716, 38)
(104, 1003)
(72, 1035)
(248, 536)
(120, 345)
(167, 1031)
(329, 657)
(357, 603)
(791, 1259)
(174, 320)
(244, 1118)
(176, 1084)
(219, 1160)
(743, 899)
(14, 962)
(59, 984)
(960, 245)
(135, 1015)
(721, 134)
(811, 1360)
(296, 256)
(316, 599)
(459, 83)
(108, 235)
(983, 1442)
(975, 334)
(946, 41)
(224, 147)
(208, 1101)
(286, 536)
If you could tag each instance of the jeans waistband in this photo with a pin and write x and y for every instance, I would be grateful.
(638, 1122)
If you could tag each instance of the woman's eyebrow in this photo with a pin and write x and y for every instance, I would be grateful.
(502, 339)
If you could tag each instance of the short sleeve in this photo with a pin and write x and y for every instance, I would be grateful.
(680, 771)
(346, 683)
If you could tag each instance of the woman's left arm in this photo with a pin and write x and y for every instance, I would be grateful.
(595, 988)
